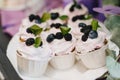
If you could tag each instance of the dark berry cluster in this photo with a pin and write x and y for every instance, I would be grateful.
(59, 35)
(78, 17)
(35, 17)
(31, 41)
(88, 32)
(57, 25)
(54, 16)
(74, 6)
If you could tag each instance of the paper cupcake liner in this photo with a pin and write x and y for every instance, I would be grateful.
(94, 59)
(63, 61)
(31, 68)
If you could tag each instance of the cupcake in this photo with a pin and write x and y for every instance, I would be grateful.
(62, 44)
(75, 9)
(90, 49)
(32, 54)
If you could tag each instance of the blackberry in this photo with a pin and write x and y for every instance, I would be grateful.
(59, 35)
(52, 25)
(50, 38)
(84, 38)
(68, 37)
(74, 18)
(93, 34)
(78, 6)
(31, 17)
(72, 8)
(54, 16)
(57, 25)
(28, 30)
(30, 41)
(81, 17)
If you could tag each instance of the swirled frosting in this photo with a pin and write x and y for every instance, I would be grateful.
(60, 46)
(32, 53)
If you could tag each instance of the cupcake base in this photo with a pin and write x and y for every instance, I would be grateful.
(63, 62)
(31, 68)
(94, 59)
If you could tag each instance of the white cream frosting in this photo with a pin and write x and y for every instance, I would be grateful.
(30, 52)
(91, 44)
(76, 11)
(60, 46)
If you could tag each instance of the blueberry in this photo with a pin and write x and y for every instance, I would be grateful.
(37, 19)
(93, 34)
(82, 30)
(74, 18)
(78, 6)
(31, 17)
(81, 17)
(82, 25)
(50, 38)
(57, 25)
(72, 8)
(52, 25)
(41, 43)
(59, 35)
(28, 30)
(30, 41)
(84, 38)
(68, 37)
(54, 16)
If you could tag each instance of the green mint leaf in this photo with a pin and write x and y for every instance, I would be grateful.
(45, 17)
(94, 24)
(65, 30)
(88, 17)
(37, 42)
(36, 30)
(63, 17)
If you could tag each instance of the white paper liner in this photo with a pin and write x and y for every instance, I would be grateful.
(31, 68)
(94, 59)
(63, 62)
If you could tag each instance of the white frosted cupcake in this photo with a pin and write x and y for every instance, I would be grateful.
(32, 54)
(62, 45)
(90, 49)
(74, 8)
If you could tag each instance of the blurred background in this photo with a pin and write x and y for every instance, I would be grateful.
(13, 11)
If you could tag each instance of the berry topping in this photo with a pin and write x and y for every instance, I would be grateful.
(72, 8)
(30, 41)
(93, 34)
(31, 17)
(74, 18)
(57, 25)
(50, 38)
(82, 25)
(52, 25)
(59, 35)
(28, 30)
(81, 17)
(54, 16)
(84, 37)
(68, 37)
(78, 6)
